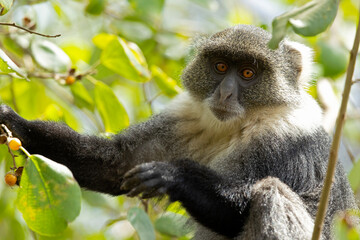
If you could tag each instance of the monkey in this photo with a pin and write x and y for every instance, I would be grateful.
(242, 148)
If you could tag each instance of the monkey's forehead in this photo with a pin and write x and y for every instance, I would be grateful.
(242, 31)
(238, 41)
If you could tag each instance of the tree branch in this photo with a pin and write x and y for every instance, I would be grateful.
(28, 30)
(324, 201)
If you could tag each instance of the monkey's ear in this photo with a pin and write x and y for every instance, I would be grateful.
(300, 58)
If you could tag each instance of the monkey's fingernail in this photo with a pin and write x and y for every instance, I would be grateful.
(123, 186)
(132, 193)
(130, 173)
(127, 175)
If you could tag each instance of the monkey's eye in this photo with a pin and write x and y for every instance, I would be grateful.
(221, 67)
(247, 73)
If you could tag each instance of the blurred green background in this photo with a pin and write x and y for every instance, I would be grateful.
(98, 83)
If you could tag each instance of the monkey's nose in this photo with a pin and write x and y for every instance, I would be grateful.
(224, 96)
(228, 89)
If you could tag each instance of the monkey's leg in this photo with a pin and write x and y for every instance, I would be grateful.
(276, 212)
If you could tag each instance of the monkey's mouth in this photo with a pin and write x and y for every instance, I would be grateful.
(224, 114)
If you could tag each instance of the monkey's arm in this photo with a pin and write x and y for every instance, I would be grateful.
(97, 163)
(213, 200)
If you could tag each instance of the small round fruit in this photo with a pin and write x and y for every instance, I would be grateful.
(70, 80)
(10, 179)
(14, 144)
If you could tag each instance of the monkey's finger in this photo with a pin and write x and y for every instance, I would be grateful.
(154, 193)
(135, 180)
(152, 184)
(139, 168)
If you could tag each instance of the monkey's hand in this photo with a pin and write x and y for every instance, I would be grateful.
(150, 179)
(12, 120)
(210, 198)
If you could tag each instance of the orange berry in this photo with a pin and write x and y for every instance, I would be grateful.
(10, 179)
(70, 80)
(14, 144)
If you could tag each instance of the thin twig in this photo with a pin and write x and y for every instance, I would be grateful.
(151, 100)
(145, 203)
(356, 81)
(46, 75)
(324, 201)
(146, 98)
(57, 76)
(28, 30)
(90, 71)
(13, 157)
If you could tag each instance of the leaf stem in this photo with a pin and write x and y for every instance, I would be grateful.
(324, 201)
(91, 79)
(25, 152)
(28, 30)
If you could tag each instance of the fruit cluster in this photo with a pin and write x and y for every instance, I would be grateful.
(13, 177)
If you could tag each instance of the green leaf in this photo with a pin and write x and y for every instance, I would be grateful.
(112, 112)
(165, 83)
(95, 7)
(142, 224)
(49, 56)
(53, 113)
(148, 10)
(10, 228)
(49, 197)
(77, 51)
(333, 59)
(316, 18)
(354, 177)
(130, 30)
(307, 20)
(172, 224)
(176, 207)
(82, 96)
(5, 6)
(8, 66)
(125, 59)
(102, 40)
(95, 199)
(343, 229)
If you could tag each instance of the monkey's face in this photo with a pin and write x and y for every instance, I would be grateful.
(231, 77)
(234, 72)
